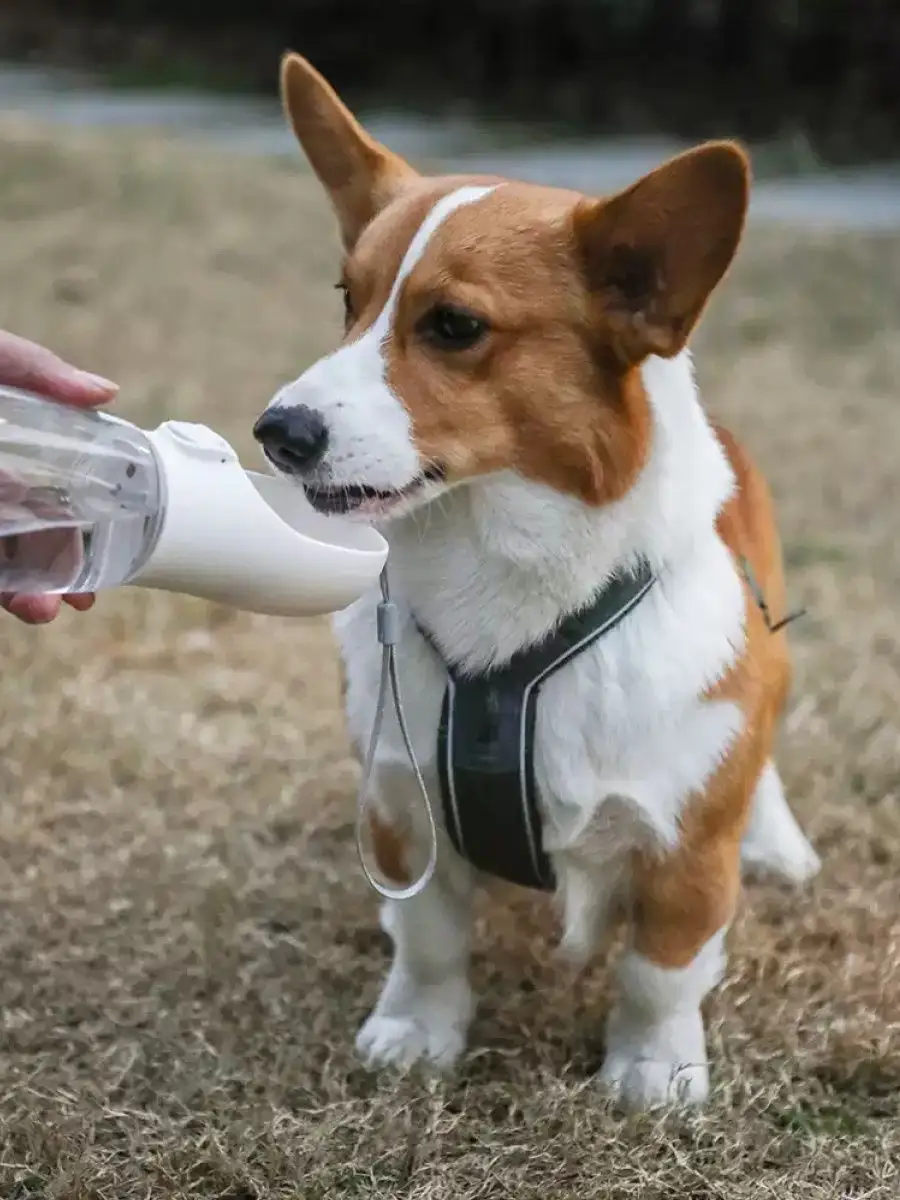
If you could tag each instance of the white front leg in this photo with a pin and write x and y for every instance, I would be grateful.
(426, 1003)
(655, 1041)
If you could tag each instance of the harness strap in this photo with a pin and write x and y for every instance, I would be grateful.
(486, 740)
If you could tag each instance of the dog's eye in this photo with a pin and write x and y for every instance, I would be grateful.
(348, 304)
(450, 328)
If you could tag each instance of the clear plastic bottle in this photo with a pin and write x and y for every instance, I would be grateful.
(89, 501)
(81, 497)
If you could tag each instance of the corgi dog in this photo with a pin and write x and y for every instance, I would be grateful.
(577, 556)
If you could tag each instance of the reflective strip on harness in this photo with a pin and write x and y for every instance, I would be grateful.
(486, 742)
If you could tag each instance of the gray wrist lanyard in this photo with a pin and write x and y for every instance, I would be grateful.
(388, 635)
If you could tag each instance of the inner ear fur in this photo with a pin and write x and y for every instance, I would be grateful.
(653, 254)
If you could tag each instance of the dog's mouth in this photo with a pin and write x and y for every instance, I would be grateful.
(344, 498)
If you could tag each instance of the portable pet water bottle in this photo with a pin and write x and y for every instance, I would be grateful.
(89, 501)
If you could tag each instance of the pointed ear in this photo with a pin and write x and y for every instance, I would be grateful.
(360, 175)
(653, 254)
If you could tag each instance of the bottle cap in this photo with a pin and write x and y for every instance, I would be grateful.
(249, 540)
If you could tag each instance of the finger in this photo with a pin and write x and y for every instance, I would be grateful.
(33, 610)
(81, 601)
(25, 364)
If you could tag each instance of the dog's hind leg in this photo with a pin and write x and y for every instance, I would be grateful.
(773, 843)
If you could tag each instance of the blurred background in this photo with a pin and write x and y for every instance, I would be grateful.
(580, 92)
(187, 945)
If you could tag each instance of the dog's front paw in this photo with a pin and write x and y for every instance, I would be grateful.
(429, 1026)
(402, 1042)
(642, 1083)
(658, 1064)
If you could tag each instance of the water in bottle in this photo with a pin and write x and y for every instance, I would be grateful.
(80, 496)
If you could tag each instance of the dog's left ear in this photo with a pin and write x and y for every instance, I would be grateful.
(653, 254)
(360, 175)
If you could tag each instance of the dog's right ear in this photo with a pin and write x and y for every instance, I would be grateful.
(360, 175)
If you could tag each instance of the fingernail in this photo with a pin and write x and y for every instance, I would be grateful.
(98, 382)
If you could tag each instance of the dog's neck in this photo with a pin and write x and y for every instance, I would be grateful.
(493, 565)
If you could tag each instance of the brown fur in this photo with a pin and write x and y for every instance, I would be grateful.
(544, 394)
(360, 175)
(683, 898)
(391, 848)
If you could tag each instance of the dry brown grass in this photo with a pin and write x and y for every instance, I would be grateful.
(187, 945)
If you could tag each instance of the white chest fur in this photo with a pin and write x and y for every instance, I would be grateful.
(623, 736)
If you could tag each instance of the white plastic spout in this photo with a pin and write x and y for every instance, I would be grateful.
(249, 540)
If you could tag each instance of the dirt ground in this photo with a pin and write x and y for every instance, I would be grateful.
(187, 945)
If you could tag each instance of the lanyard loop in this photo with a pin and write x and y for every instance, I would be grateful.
(388, 635)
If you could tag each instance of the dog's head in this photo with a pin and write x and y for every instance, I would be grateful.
(492, 325)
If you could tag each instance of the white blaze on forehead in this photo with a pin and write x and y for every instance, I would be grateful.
(369, 430)
(416, 249)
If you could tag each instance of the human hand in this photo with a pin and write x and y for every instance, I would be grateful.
(27, 365)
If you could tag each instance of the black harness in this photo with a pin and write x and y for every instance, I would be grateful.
(486, 741)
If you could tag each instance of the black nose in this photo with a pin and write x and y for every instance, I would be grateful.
(294, 438)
